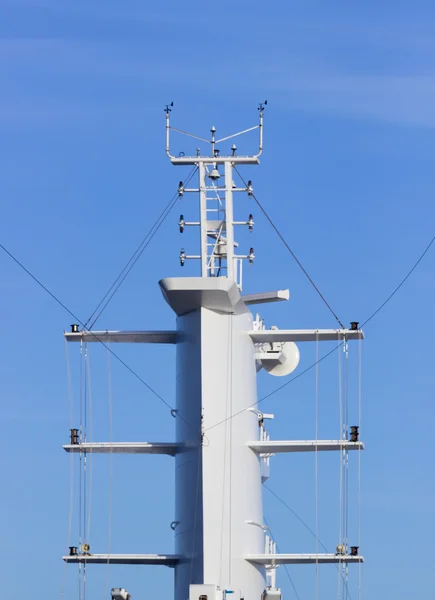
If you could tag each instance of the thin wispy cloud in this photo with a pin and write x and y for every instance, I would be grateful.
(302, 73)
(407, 100)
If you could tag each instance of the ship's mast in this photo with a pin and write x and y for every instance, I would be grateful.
(216, 188)
(222, 449)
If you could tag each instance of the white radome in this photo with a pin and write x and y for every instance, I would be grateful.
(288, 365)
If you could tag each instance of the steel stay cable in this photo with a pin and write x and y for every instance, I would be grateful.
(109, 533)
(118, 358)
(401, 283)
(284, 565)
(316, 465)
(136, 255)
(71, 464)
(90, 452)
(278, 389)
(80, 509)
(307, 527)
(340, 513)
(255, 403)
(281, 237)
(359, 462)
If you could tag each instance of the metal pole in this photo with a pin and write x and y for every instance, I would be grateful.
(203, 217)
(229, 218)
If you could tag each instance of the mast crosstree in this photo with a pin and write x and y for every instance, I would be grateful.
(222, 450)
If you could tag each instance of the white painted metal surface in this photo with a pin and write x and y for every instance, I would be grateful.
(302, 559)
(277, 447)
(206, 592)
(168, 560)
(187, 294)
(305, 335)
(123, 448)
(266, 297)
(218, 481)
(123, 337)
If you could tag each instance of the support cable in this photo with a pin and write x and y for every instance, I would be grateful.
(85, 469)
(80, 566)
(359, 460)
(118, 358)
(394, 292)
(85, 439)
(150, 388)
(346, 460)
(340, 520)
(278, 389)
(298, 262)
(316, 466)
(109, 532)
(71, 465)
(285, 566)
(307, 527)
(89, 439)
(135, 257)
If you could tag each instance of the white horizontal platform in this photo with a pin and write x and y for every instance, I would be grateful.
(168, 560)
(278, 446)
(194, 160)
(123, 337)
(124, 448)
(304, 335)
(302, 559)
(186, 294)
(265, 297)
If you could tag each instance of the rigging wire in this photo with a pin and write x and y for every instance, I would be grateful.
(316, 465)
(118, 358)
(340, 520)
(109, 532)
(346, 457)
(285, 566)
(71, 465)
(85, 467)
(261, 399)
(135, 256)
(359, 461)
(80, 511)
(343, 395)
(394, 292)
(281, 237)
(307, 527)
(85, 440)
(276, 390)
(89, 439)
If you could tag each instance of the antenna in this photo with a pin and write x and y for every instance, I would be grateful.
(216, 187)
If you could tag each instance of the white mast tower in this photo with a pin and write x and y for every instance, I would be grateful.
(222, 450)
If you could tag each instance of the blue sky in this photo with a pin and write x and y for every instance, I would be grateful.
(347, 174)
